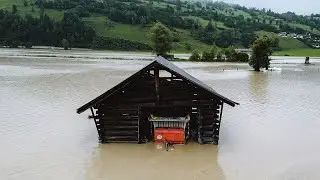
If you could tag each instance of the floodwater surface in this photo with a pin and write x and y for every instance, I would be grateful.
(273, 134)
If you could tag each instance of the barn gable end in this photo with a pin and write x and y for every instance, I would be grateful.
(162, 89)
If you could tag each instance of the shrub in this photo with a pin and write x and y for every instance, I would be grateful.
(118, 44)
(230, 54)
(208, 56)
(28, 45)
(65, 44)
(205, 56)
(213, 52)
(12, 44)
(195, 56)
(241, 57)
(25, 3)
(219, 57)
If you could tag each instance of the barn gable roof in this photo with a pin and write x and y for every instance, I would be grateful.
(167, 65)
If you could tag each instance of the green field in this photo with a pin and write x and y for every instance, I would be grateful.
(284, 43)
(299, 52)
(290, 43)
(104, 28)
(186, 38)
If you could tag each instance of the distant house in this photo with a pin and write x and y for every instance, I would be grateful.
(159, 89)
(282, 34)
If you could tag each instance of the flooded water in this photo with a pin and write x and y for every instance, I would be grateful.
(273, 134)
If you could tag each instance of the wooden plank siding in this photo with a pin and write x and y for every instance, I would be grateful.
(162, 89)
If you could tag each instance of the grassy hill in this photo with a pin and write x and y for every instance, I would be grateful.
(299, 52)
(105, 27)
(284, 42)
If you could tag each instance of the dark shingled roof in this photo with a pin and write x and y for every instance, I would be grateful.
(169, 66)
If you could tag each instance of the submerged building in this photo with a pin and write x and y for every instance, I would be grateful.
(159, 102)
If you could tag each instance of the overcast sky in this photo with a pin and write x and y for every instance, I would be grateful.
(305, 7)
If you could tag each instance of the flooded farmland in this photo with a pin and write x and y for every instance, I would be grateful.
(273, 134)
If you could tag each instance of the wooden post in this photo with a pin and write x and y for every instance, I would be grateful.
(139, 116)
(156, 83)
(216, 139)
(221, 113)
(199, 118)
(95, 122)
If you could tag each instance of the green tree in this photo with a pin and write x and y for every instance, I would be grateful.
(260, 56)
(230, 53)
(161, 39)
(210, 27)
(41, 13)
(242, 57)
(213, 52)
(178, 5)
(65, 44)
(219, 56)
(248, 38)
(28, 45)
(187, 46)
(226, 38)
(25, 3)
(14, 9)
(206, 56)
(195, 56)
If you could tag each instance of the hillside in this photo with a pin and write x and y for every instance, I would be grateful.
(195, 25)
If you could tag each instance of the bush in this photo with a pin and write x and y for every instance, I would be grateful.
(25, 3)
(213, 52)
(12, 44)
(205, 56)
(28, 45)
(230, 54)
(65, 44)
(219, 57)
(118, 44)
(241, 57)
(195, 56)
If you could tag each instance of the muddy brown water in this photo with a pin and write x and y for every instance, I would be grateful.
(273, 134)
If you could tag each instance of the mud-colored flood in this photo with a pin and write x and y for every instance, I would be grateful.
(273, 134)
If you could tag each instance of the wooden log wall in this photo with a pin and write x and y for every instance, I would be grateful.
(209, 120)
(118, 124)
(123, 117)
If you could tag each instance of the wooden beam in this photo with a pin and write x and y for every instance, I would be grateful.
(95, 122)
(156, 83)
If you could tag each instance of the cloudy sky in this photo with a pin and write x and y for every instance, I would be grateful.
(298, 6)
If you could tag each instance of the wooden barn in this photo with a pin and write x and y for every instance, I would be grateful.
(126, 112)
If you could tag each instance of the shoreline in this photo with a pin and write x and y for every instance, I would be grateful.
(109, 54)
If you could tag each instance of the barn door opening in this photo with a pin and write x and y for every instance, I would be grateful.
(146, 129)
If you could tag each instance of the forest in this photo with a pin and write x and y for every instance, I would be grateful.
(208, 23)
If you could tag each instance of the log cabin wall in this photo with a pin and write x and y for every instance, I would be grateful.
(123, 117)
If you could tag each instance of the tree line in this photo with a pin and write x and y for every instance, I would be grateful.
(175, 14)
(16, 30)
(161, 38)
(71, 31)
